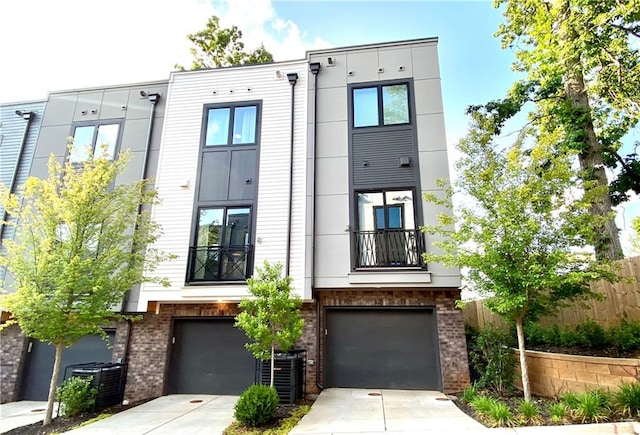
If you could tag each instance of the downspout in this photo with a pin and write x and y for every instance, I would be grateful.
(27, 116)
(153, 99)
(293, 79)
(315, 69)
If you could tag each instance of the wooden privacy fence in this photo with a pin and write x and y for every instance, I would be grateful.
(621, 300)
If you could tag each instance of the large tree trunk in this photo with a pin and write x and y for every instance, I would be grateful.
(607, 240)
(48, 417)
(524, 368)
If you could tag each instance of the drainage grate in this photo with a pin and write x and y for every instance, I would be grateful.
(442, 399)
(375, 394)
(38, 410)
(196, 401)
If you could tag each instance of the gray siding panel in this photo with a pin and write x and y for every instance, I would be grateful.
(243, 177)
(12, 129)
(376, 158)
(214, 176)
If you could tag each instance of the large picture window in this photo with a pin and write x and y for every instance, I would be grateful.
(221, 250)
(381, 105)
(99, 139)
(235, 125)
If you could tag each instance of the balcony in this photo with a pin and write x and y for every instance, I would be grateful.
(219, 263)
(388, 248)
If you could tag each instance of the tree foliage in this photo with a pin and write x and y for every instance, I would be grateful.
(581, 63)
(81, 243)
(216, 47)
(524, 227)
(273, 317)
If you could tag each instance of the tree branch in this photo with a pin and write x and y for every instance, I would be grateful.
(635, 31)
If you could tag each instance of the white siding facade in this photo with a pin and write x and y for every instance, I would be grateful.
(177, 174)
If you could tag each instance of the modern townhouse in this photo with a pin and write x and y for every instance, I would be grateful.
(319, 164)
(120, 117)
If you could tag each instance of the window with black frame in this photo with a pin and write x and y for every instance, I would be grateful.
(101, 139)
(222, 245)
(387, 234)
(381, 105)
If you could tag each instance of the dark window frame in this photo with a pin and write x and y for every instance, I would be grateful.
(232, 106)
(97, 124)
(380, 106)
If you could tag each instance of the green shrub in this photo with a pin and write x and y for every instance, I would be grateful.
(627, 399)
(535, 334)
(569, 337)
(626, 337)
(76, 395)
(558, 411)
(592, 407)
(569, 399)
(469, 394)
(257, 405)
(529, 412)
(591, 334)
(493, 359)
(499, 415)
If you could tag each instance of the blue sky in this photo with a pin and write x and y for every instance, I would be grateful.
(63, 44)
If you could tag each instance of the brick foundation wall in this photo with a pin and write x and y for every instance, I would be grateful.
(551, 374)
(148, 354)
(452, 343)
(13, 348)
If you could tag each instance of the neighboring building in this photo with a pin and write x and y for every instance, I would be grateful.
(319, 164)
(121, 117)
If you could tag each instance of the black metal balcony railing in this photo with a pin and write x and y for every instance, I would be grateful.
(388, 248)
(219, 263)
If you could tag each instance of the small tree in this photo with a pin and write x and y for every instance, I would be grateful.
(273, 317)
(216, 47)
(524, 229)
(81, 244)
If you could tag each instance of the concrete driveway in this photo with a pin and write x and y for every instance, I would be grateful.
(176, 414)
(348, 410)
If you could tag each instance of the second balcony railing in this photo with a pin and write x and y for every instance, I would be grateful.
(388, 248)
(219, 263)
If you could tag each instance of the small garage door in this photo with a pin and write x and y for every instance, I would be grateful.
(209, 357)
(382, 348)
(41, 356)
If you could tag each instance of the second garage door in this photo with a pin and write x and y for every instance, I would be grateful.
(209, 357)
(381, 348)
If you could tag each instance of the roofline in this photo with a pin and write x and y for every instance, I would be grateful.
(433, 39)
(101, 88)
(245, 66)
(16, 103)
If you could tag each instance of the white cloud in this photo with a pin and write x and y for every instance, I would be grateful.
(65, 44)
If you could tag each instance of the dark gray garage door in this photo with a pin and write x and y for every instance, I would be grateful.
(40, 359)
(209, 357)
(382, 348)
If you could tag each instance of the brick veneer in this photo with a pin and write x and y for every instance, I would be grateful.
(148, 354)
(452, 345)
(13, 348)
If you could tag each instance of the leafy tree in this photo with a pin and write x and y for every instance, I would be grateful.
(81, 244)
(273, 317)
(216, 47)
(581, 64)
(523, 228)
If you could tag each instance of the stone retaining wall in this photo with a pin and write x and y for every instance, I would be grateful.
(551, 374)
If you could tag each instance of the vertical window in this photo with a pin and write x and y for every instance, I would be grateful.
(101, 139)
(381, 105)
(222, 245)
(231, 126)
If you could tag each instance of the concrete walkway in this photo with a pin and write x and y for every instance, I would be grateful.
(16, 414)
(176, 414)
(374, 411)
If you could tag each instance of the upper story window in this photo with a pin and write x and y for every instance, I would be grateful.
(99, 138)
(235, 125)
(381, 105)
